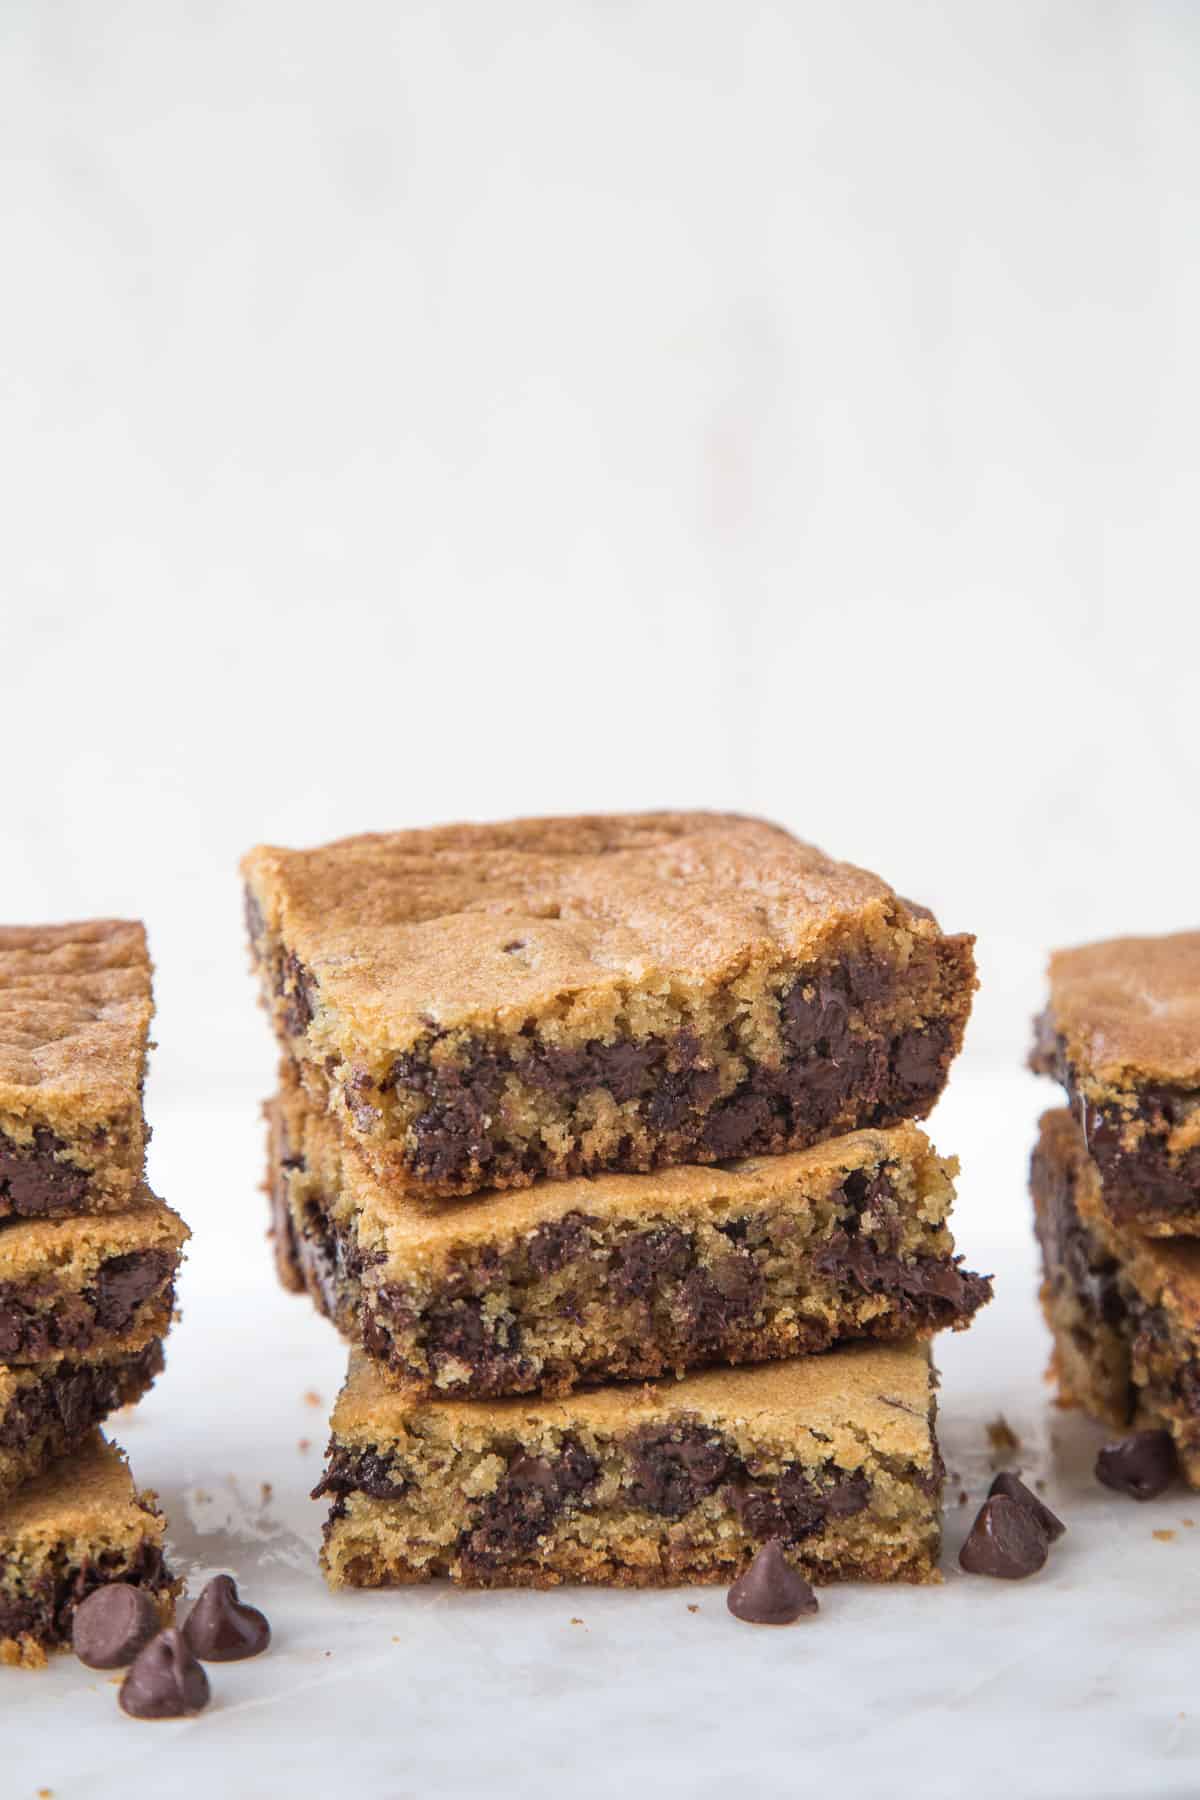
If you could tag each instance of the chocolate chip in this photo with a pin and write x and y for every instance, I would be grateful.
(1006, 1541)
(221, 1628)
(112, 1625)
(919, 1056)
(34, 1182)
(643, 1262)
(165, 1682)
(529, 1496)
(676, 1467)
(1013, 1488)
(770, 1592)
(1141, 1465)
(124, 1282)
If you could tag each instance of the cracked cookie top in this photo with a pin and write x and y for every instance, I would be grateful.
(462, 924)
(75, 1009)
(1128, 1009)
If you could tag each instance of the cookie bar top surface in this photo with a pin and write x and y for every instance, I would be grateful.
(1128, 1009)
(879, 1393)
(1165, 1271)
(75, 1009)
(89, 1496)
(473, 921)
(418, 1232)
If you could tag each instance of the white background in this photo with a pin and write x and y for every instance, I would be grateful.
(453, 411)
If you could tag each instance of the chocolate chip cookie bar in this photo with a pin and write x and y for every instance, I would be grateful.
(1121, 1033)
(1123, 1308)
(75, 1008)
(642, 1486)
(623, 1276)
(485, 1005)
(80, 1524)
(88, 1285)
(46, 1409)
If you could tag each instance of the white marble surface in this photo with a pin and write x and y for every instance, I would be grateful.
(1080, 1682)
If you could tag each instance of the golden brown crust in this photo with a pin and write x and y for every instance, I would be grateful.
(415, 1234)
(484, 1006)
(876, 1392)
(620, 1277)
(1128, 1009)
(668, 1484)
(917, 1565)
(75, 1011)
(404, 926)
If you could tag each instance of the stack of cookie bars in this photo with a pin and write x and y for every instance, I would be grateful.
(1116, 1183)
(590, 1132)
(88, 1260)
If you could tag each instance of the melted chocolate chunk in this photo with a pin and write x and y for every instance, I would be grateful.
(361, 1471)
(74, 1397)
(222, 1628)
(817, 1019)
(123, 1283)
(831, 1067)
(165, 1682)
(34, 1183)
(717, 1300)
(528, 1498)
(1006, 1541)
(112, 1625)
(556, 1243)
(647, 1259)
(1145, 1178)
(937, 1285)
(36, 1321)
(771, 1592)
(797, 1506)
(1013, 1488)
(675, 1467)
(1142, 1465)
(730, 1129)
(461, 1332)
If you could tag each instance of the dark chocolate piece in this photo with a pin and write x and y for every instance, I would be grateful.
(1013, 1488)
(1006, 1541)
(221, 1628)
(34, 1183)
(113, 1624)
(771, 1592)
(69, 1397)
(165, 1682)
(1141, 1465)
(37, 1321)
(884, 1078)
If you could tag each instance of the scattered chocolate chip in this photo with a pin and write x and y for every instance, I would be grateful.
(1013, 1488)
(1006, 1541)
(1141, 1465)
(221, 1628)
(165, 1682)
(770, 1592)
(113, 1624)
